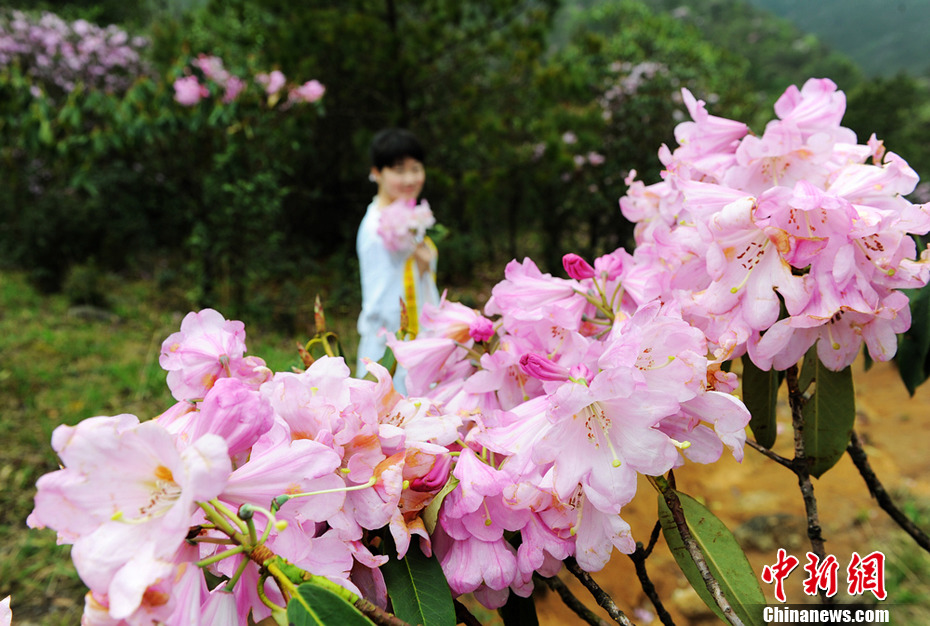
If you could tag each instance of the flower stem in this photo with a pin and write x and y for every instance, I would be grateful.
(210, 560)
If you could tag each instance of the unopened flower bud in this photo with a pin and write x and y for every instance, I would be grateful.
(541, 368)
(481, 329)
(576, 267)
(436, 477)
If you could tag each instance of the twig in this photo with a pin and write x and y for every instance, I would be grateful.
(766, 452)
(576, 605)
(801, 467)
(653, 539)
(600, 596)
(861, 461)
(378, 615)
(800, 463)
(674, 505)
(639, 562)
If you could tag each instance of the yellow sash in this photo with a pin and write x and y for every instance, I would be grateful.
(410, 291)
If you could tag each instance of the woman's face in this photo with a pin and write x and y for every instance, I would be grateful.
(401, 181)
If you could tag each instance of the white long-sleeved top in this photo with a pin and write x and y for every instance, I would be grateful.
(382, 275)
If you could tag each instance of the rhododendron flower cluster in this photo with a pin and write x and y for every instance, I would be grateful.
(585, 384)
(802, 218)
(404, 223)
(320, 457)
(535, 416)
(189, 90)
(60, 55)
(546, 439)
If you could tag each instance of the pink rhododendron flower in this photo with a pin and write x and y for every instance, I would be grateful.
(188, 91)
(201, 352)
(6, 614)
(212, 68)
(125, 498)
(272, 82)
(233, 87)
(310, 91)
(801, 218)
(234, 411)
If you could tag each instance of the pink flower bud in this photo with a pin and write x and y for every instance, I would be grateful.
(436, 477)
(576, 267)
(542, 368)
(481, 329)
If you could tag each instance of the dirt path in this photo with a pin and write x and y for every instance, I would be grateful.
(760, 501)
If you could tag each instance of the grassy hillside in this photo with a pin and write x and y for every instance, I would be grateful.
(882, 36)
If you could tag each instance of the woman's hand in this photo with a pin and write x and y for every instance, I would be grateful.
(424, 256)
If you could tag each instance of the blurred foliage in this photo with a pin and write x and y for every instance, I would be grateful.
(897, 110)
(883, 38)
(108, 176)
(533, 113)
(778, 53)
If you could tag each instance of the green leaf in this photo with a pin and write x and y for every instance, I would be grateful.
(315, 606)
(760, 395)
(430, 514)
(914, 345)
(418, 589)
(725, 559)
(388, 361)
(829, 413)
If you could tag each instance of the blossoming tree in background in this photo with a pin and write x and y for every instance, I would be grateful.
(60, 55)
(310, 497)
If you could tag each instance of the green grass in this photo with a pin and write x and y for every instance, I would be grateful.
(58, 367)
(907, 567)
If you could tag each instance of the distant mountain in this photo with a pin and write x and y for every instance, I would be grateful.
(883, 37)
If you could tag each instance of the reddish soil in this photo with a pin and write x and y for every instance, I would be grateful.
(761, 502)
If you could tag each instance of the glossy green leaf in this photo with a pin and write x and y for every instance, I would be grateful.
(914, 345)
(418, 589)
(829, 413)
(725, 559)
(315, 606)
(760, 395)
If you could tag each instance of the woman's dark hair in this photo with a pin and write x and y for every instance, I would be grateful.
(392, 145)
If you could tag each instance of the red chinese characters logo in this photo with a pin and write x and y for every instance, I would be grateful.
(867, 574)
(820, 575)
(779, 572)
(862, 574)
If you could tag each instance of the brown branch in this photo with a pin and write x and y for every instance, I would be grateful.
(766, 452)
(602, 598)
(639, 562)
(861, 461)
(653, 539)
(800, 465)
(678, 514)
(378, 615)
(576, 605)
